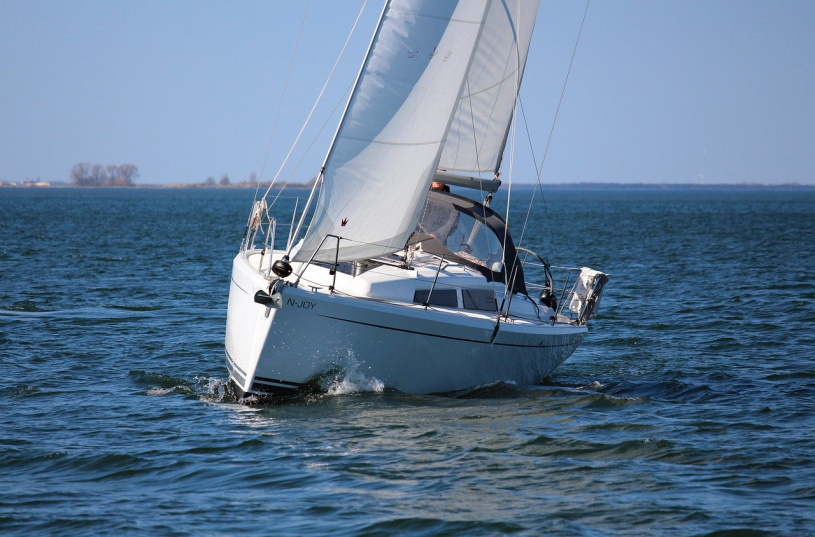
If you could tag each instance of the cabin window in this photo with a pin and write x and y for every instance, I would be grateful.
(479, 299)
(439, 297)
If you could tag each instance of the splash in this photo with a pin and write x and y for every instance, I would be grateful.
(347, 378)
(215, 389)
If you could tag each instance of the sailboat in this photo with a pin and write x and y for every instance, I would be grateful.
(422, 286)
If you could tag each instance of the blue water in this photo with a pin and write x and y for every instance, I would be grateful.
(688, 410)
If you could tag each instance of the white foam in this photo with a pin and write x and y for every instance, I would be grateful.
(595, 385)
(213, 387)
(156, 390)
(351, 380)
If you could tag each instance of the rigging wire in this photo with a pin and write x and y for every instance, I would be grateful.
(539, 171)
(509, 275)
(476, 227)
(532, 199)
(283, 96)
(319, 98)
(342, 99)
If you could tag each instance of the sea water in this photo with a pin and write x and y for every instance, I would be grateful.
(688, 410)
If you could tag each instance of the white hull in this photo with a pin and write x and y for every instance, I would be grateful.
(395, 276)
(402, 344)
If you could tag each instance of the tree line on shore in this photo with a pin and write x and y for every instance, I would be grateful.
(224, 181)
(87, 174)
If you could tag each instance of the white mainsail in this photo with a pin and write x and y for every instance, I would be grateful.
(480, 125)
(386, 148)
(425, 55)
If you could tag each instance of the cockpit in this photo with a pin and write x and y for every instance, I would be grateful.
(467, 232)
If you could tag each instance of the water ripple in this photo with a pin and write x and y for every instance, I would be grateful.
(687, 411)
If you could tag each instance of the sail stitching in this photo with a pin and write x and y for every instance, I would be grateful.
(385, 142)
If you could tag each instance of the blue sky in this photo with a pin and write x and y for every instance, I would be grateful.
(716, 91)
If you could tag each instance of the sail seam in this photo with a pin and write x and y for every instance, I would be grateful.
(501, 82)
(420, 15)
(385, 142)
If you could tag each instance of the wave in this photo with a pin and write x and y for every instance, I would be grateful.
(161, 384)
(25, 306)
(495, 390)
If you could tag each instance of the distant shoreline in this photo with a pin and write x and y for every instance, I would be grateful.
(522, 186)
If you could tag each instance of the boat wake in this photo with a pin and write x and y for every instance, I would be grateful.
(159, 384)
(494, 390)
(345, 376)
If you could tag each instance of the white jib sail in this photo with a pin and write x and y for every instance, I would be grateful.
(389, 142)
(480, 125)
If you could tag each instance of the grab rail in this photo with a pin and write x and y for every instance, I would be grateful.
(566, 290)
(333, 271)
(563, 286)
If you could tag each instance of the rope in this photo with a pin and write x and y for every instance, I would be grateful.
(510, 275)
(539, 185)
(342, 99)
(283, 94)
(319, 98)
(313, 141)
(539, 171)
